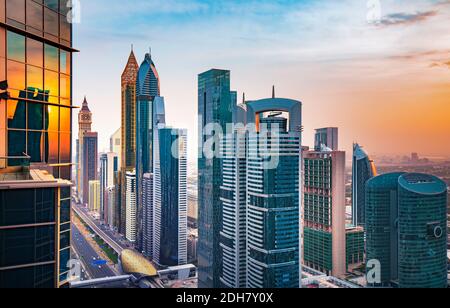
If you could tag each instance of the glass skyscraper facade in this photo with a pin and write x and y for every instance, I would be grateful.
(147, 88)
(35, 133)
(274, 194)
(215, 106)
(406, 219)
(363, 169)
(128, 136)
(170, 197)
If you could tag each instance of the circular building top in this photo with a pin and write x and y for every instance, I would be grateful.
(424, 184)
(133, 263)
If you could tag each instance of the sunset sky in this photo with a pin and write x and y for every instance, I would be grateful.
(385, 85)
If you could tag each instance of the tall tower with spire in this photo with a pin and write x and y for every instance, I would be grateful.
(128, 125)
(87, 152)
(84, 125)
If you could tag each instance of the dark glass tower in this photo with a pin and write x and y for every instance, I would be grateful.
(406, 229)
(147, 88)
(215, 106)
(363, 170)
(35, 143)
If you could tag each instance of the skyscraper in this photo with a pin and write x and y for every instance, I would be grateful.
(170, 197)
(326, 137)
(406, 220)
(94, 196)
(147, 89)
(214, 107)
(35, 133)
(324, 212)
(109, 163)
(115, 145)
(233, 233)
(130, 230)
(274, 194)
(363, 170)
(128, 135)
(84, 126)
(148, 225)
(89, 171)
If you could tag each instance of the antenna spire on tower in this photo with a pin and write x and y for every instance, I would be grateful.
(273, 91)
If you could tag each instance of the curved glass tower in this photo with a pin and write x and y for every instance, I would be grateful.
(363, 170)
(406, 229)
(423, 232)
(147, 88)
(381, 229)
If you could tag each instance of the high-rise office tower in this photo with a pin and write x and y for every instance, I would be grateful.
(94, 196)
(109, 163)
(130, 230)
(147, 89)
(115, 145)
(363, 169)
(233, 233)
(128, 135)
(324, 212)
(35, 133)
(215, 106)
(170, 197)
(274, 194)
(84, 126)
(326, 137)
(147, 203)
(111, 206)
(406, 226)
(89, 171)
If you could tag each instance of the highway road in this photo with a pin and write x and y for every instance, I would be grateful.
(88, 255)
(114, 240)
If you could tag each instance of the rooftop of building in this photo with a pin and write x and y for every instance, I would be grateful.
(425, 184)
(23, 177)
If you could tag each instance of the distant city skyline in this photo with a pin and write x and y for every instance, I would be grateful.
(386, 86)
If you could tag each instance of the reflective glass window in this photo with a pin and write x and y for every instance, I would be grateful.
(65, 211)
(52, 121)
(53, 4)
(51, 83)
(16, 75)
(65, 148)
(35, 116)
(35, 77)
(65, 29)
(16, 114)
(2, 68)
(2, 43)
(2, 10)
(53, 147)
(64, 7)
(51, 22)
(34, 15)
(65, 62)
(16, 47)
(27, 246)
(16, 144)
(65, 122)
(16, 10)
(65, 173)
(64, 257)
(64, 90)
(36, 146)
(35, 53)
(64, 239)
(51, 57)
(34, 277)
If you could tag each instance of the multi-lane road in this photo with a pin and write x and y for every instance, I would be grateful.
(88, 256)
(113, 239)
